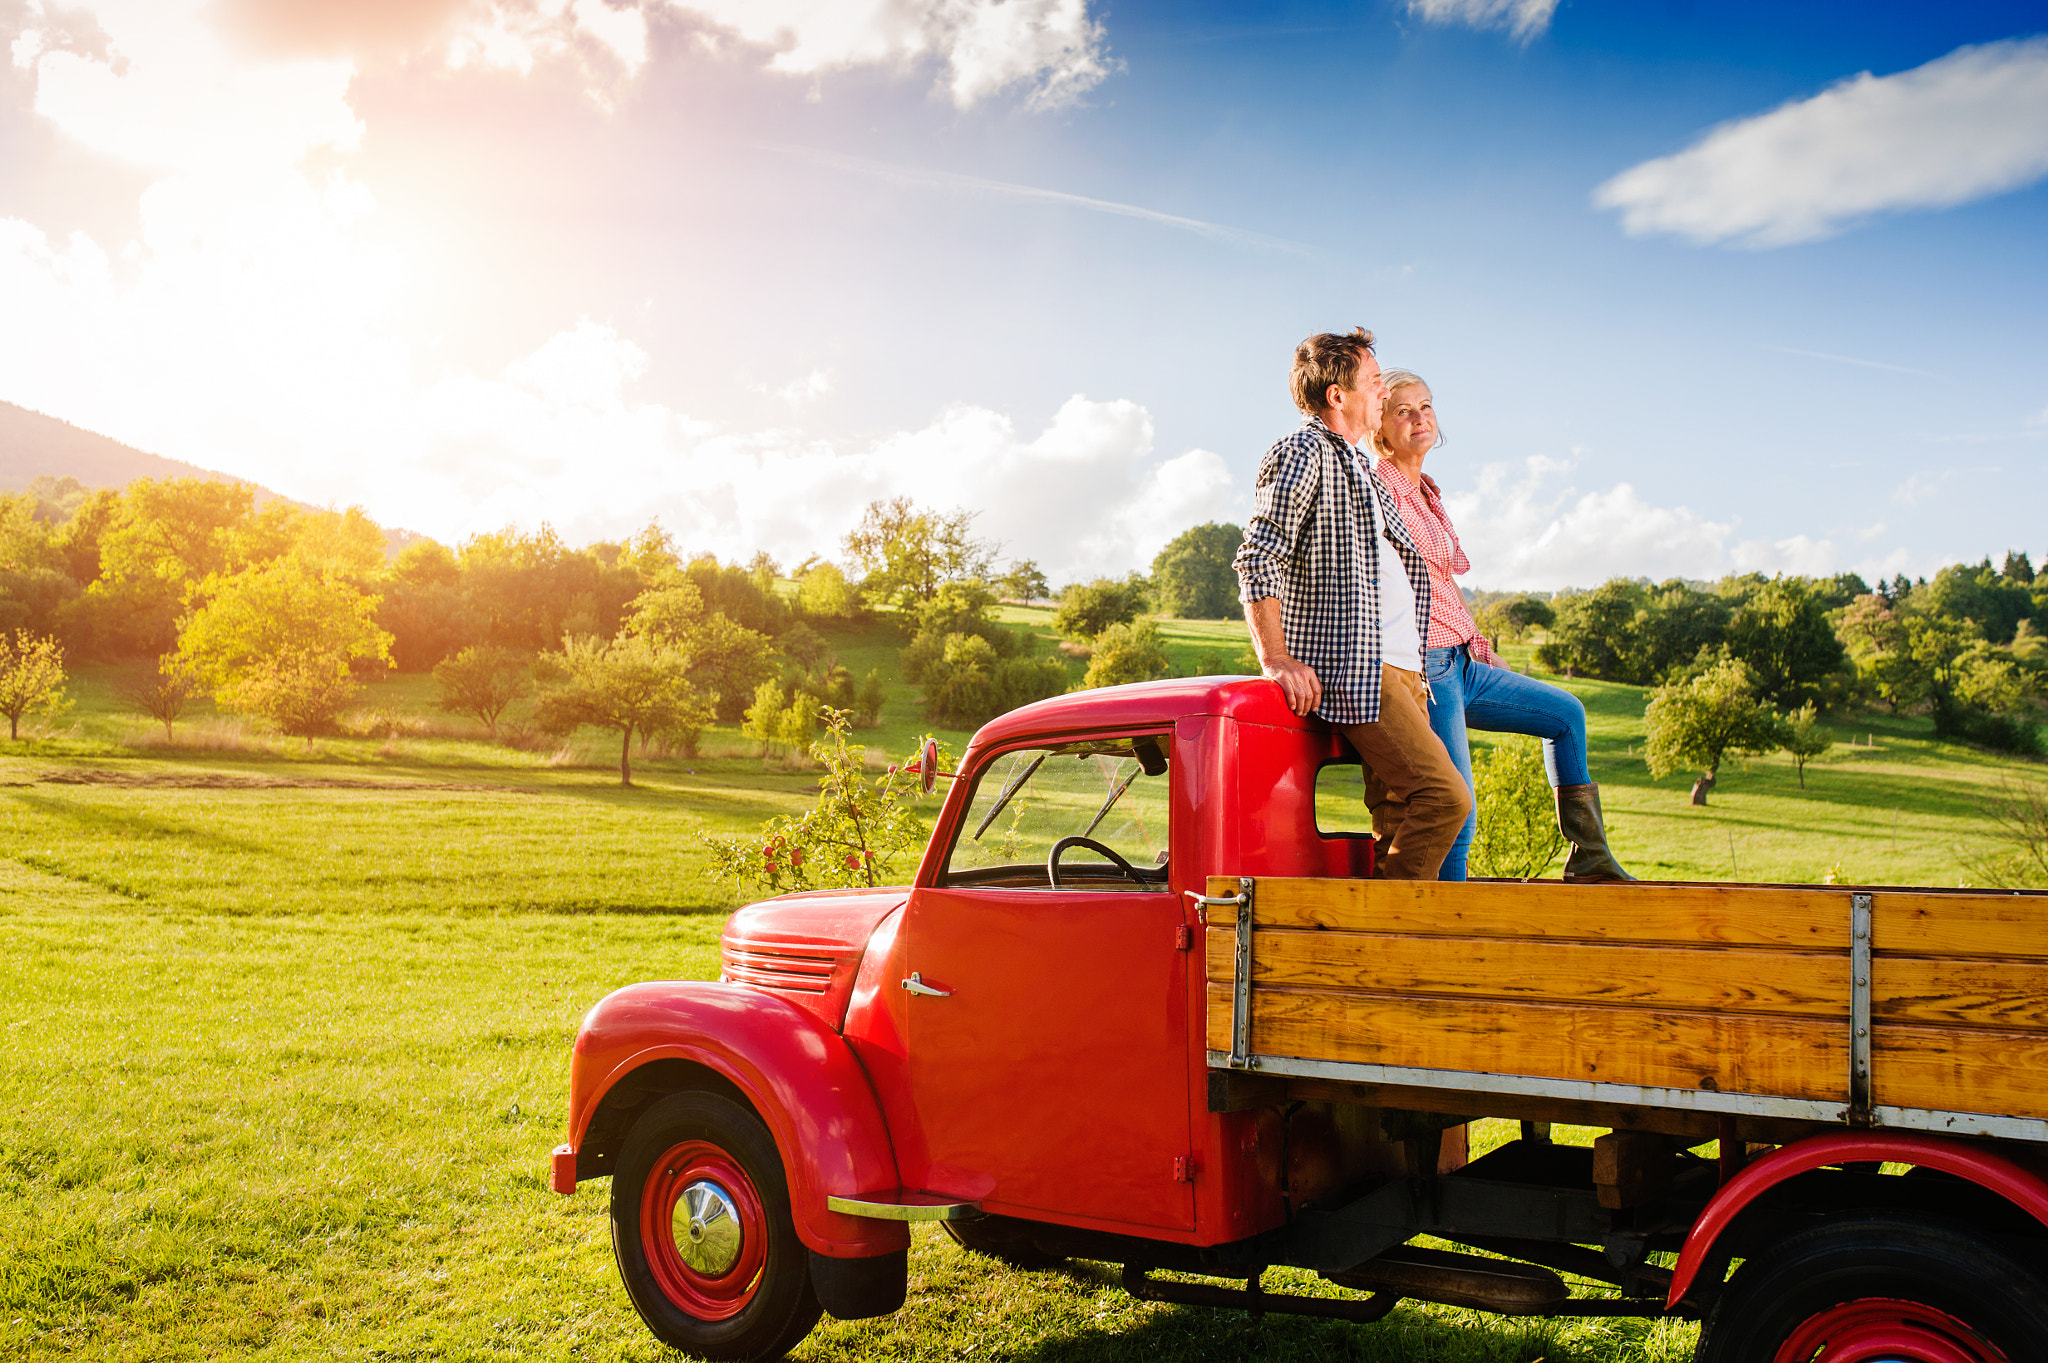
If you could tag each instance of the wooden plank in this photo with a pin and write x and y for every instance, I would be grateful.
(2000, 926)
(1960, 992)
(1958, 1069)
(1727, 1052)
(1752, 980)
(1698, 915)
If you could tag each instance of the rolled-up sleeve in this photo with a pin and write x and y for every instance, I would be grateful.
(1282, 500)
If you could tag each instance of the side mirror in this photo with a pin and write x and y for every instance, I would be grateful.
(928, 765)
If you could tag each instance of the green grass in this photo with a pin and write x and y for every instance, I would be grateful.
(284, 1029)
(324, 1136)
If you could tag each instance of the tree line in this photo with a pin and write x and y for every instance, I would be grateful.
(281, 612)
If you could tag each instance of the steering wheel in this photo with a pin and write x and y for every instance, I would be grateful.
(1052, 859)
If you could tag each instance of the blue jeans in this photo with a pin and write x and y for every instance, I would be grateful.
(1465, 694)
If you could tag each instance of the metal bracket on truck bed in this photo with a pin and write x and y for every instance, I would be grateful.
(1859, 1010)
(1241, 1057)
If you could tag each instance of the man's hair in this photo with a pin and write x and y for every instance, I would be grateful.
(1324, 359)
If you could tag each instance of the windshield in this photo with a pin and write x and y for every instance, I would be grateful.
(1112, 792)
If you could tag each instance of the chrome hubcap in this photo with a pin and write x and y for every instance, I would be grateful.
(707, 1229)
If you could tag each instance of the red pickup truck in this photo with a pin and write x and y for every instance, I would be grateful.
(1140, 1006)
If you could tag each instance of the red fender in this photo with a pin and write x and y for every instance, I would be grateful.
(799, 1074)
(2017, 1183)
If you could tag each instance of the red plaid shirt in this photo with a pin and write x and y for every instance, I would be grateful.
(1450, 622)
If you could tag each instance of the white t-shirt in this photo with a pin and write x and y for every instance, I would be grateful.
(1400, 637)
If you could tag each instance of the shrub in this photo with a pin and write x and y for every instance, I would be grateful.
(1127, 653)
(1518, 837)
(1087, 609)
(969, 683)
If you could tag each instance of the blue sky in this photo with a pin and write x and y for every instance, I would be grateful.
(1694, 293)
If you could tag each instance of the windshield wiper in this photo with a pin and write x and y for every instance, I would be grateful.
(1015, 781)
(1103, 812)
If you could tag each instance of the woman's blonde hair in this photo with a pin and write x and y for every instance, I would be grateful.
(1394, 380)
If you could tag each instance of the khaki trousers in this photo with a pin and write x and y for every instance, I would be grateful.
(1418, 799)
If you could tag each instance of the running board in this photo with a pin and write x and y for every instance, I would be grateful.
(899, 1205)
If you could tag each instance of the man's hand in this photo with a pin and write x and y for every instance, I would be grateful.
(1298, 681)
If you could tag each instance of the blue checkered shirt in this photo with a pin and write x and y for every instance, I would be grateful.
(1312, 543)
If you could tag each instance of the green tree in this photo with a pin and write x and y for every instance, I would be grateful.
(1087, 609)
(1994, 602)
(862, 829)
(164, 692)
(823, 593)
(763, 719)
(1192, 577)
(1698, 722)
(1024, 581)
(908, 553)
(482, 680)
(31, 677)
(1597, 634)
(726, 659)
(967, 682)
(632, 684)
(1512, 617)
(160, 541)
(1517, 837)
(425, 606)
(280, 640)
(1805, 739)
(1783, 634)
(1129, 652)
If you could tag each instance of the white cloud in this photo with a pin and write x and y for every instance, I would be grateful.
(1050, 49)
(1968, 125)
(1918, 487)
(1522, 18)
(952, 182)
(1527, 528)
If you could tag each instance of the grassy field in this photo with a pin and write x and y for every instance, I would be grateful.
(284, 1029)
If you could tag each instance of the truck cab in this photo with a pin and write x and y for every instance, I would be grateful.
(1023, 1044)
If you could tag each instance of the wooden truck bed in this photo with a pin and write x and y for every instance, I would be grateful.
(1655, 1006)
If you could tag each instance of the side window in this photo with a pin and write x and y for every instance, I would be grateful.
(1340, 800)
(1111, 792)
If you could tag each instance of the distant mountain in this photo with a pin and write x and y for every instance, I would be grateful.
(32, 444)
(36, 446)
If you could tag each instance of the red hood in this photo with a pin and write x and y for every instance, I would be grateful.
(806, 947)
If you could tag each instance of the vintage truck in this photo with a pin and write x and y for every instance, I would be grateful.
(1142, 1004)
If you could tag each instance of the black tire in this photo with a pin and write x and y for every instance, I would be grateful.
(708, 1147)
(1888, 1275)
(1000, 1238)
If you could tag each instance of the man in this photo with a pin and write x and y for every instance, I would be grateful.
(1338, 602)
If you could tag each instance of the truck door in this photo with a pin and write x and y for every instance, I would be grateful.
(1048, 1025)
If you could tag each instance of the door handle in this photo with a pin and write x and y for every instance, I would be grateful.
(916, 985)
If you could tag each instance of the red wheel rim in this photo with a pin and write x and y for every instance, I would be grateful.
(694, 1167)
(1883, 1330)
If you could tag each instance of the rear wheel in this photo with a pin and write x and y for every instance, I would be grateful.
(702, 1231)
(1879, 1288)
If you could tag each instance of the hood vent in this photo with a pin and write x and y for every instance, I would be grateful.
(794, 970)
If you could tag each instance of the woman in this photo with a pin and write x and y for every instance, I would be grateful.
(1469, 685)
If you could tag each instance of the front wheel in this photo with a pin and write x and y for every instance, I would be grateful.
(1868, 1287)
(703, 1235)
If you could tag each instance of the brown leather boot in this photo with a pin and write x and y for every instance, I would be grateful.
(1578, 818)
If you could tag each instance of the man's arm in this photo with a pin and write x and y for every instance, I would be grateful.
(1298, 681)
